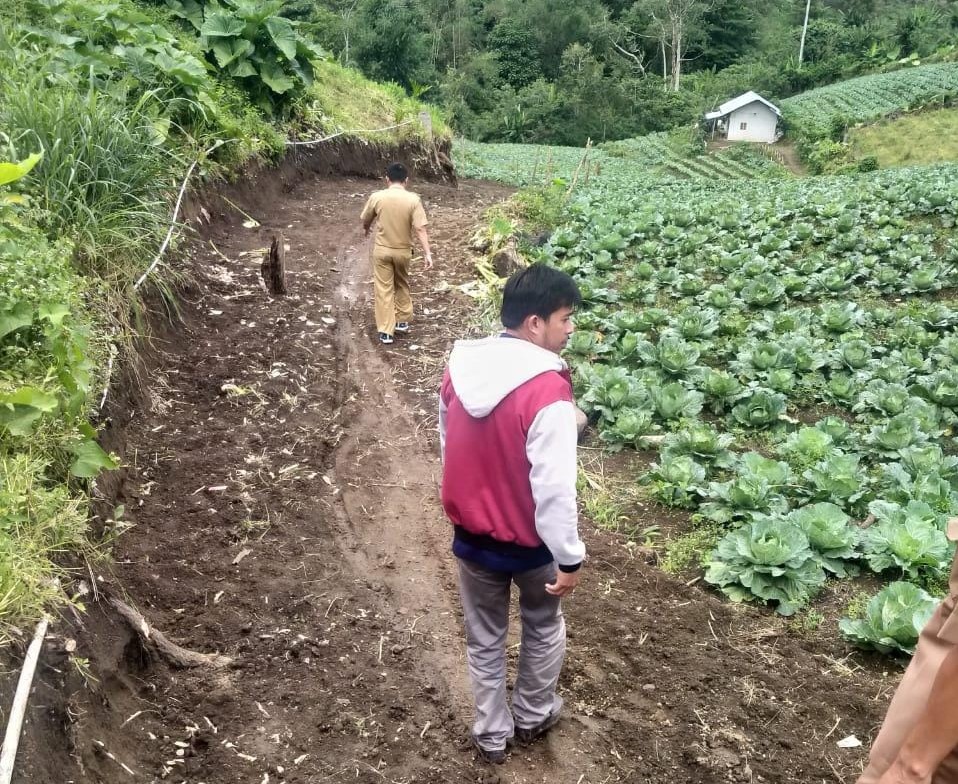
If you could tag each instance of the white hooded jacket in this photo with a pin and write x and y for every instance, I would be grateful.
(483, 373)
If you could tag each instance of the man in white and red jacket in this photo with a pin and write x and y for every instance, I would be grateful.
(508, 429)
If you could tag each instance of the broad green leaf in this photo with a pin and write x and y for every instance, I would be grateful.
(11, 172)
(283, 35)
(221, 24)
(186, 69)
(20, 409)
(227, 51)
(53, 312)
(90, 459)
(256, 12)
(242, 68)
(12, 320)
(274, 78)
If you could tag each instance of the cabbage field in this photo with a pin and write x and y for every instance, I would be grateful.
(791, 348)
(650, 159)
(870, 97)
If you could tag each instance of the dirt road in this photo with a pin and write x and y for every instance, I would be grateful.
(282, 482)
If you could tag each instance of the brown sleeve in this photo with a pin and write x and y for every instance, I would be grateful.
(369, 211)
(419, 216)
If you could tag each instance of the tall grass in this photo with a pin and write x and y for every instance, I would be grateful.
(39, 524)
(105, 176)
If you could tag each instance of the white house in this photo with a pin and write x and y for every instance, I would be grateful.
(748, 118)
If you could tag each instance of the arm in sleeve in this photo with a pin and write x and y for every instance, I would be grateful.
(935, 732)
(369, 213)
(419, 220)
(550, 447)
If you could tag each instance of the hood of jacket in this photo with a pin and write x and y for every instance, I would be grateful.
(485, 371)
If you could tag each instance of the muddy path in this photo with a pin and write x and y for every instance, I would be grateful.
(282, 486)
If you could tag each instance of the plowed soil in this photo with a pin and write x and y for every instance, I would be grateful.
(282, 483)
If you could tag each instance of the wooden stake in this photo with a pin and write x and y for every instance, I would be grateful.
(274, 267)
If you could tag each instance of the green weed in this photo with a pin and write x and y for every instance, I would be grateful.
(691, 550)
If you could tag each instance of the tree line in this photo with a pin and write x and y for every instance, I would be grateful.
(562, 71)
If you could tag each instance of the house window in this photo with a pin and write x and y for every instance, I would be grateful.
(743, 126)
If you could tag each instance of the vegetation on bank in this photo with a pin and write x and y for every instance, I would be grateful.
(913, 139)
(103, 108)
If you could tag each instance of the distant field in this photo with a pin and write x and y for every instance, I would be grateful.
(870, 97)
(927, 137)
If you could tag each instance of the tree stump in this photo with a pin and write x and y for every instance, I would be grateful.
(506, 261)
(273, 268)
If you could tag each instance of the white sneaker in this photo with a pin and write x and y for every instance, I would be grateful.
(385, 339)
(402, 326)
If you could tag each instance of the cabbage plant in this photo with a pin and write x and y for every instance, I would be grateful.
(769, 561)
(702, 442)
(806, 446)
(762, 408)
(893, 619)
(907, 537)
(673, 401)
(830, 535)
(838, 479)
(676, 480)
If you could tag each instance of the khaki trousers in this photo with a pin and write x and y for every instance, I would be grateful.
(391, 281)
(937, 640)
(485, 598)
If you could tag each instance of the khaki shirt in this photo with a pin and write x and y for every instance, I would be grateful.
(399, 212)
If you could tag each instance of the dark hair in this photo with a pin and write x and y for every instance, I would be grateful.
(538, 290)
(396, 172)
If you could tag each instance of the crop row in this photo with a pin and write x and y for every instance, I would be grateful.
(869, 97)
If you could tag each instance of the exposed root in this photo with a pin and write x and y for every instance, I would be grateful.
(156, 641)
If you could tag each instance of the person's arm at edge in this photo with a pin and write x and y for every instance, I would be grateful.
(423, 236)
(934, 735)
(368, 216)
(551, 450)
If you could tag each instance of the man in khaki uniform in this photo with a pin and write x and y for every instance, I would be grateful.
(918, 741)
(400, 215)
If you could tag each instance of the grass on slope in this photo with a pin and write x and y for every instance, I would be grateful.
(925, 137)
(344, 99)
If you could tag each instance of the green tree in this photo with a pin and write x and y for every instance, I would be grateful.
(392, 43)
(515, 48)
(730, 34)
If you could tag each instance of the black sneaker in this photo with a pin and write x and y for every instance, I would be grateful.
(385, 338)
(402, 326)
(527, 735)
(490, 756)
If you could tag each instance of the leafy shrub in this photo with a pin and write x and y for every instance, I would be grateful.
(249, 41)
(894, 618)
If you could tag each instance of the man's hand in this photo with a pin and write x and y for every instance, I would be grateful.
(367, 229)
(899, 773)
(565, 584)
(427, 261)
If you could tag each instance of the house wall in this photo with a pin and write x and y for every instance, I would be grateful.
(760, 123)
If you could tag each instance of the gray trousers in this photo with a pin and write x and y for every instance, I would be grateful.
(485, 605)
